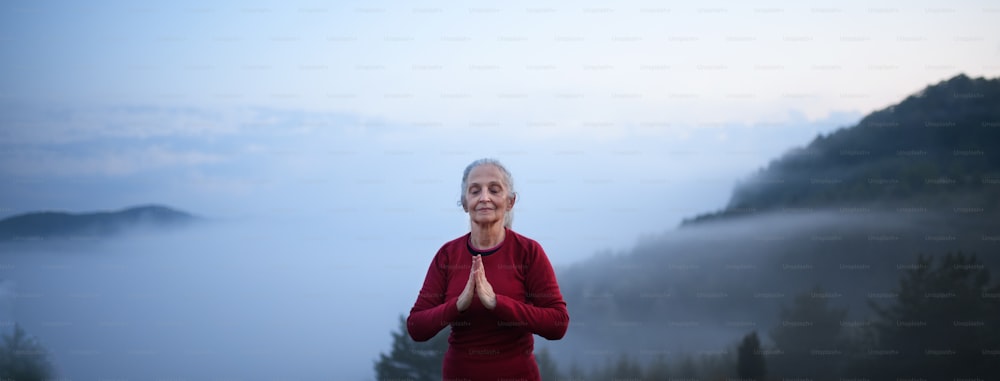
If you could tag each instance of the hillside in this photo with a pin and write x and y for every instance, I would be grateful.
(940, 142)
(63, 225)
(847, 214)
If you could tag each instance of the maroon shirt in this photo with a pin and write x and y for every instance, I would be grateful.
(485, 344)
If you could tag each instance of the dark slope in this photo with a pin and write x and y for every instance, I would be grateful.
(938, 143)
(849, 213)
(63, 225)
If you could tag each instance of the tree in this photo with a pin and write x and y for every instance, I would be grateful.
(575, 373)
(547, 367)
(625, 368)
(809, 337)
(941, 325)
(621, 369)
(687, 368)
(410, 360)
(659, 369)
(750, 360)
(22, 358)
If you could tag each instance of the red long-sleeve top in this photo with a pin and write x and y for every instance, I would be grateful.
(491, 344)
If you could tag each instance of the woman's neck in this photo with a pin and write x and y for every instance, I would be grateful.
(485, 237)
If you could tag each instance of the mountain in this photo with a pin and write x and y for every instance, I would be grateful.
(63, 225)
(846, 214)
(938, 143)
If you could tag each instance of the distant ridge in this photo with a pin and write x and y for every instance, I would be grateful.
(939, 146)
(64, 225)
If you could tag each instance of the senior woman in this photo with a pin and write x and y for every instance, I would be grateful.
(494, 287)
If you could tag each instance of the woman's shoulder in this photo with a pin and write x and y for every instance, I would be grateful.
(524, 241)
(455, 244)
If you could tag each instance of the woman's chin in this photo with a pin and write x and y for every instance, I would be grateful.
(484, 220)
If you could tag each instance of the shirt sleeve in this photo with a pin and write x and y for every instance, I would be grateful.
(545, 314)
(431, 312)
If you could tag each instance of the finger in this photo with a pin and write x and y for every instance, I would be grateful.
(479, 277)
(470, 288)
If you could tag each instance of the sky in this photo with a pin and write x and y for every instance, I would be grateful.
(617, 119)
(630, 111)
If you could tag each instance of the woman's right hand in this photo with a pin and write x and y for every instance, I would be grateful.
(465, 298)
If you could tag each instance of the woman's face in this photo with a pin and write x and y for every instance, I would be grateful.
(487, 199)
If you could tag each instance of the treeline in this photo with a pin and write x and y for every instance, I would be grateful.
(940, 322)
(941, 141)
(23, 358)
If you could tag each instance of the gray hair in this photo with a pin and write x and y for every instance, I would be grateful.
(508, 182)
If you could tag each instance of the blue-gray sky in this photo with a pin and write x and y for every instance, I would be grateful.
(628, 111)
(118, 89)
(446, 62)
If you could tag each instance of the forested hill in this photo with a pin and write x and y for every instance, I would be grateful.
(63, 225)
(938, 143)
(836, 221)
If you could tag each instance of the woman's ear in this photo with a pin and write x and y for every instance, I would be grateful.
(512, 199)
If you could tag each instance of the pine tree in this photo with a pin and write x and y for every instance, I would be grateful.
(626, 368)
(750, 361)
(810, 337)
(687, 368)
(658, 369)
(941, 325)
(410, 360)
(575, 373)
(22, 358)
(547, 367)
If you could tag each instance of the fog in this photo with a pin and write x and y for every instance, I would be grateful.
(317, 239)
(311, 298)
(220, 300)
(698, 289)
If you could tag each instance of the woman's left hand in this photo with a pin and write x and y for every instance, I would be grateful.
(483, 288)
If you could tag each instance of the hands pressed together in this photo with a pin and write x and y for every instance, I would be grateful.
(477, 285)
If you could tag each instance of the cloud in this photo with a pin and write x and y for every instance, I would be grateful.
(271, 160)
(47, 124)
(34, 162)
